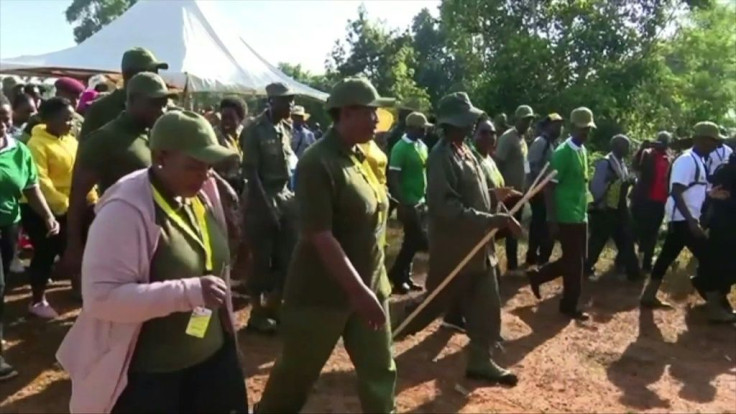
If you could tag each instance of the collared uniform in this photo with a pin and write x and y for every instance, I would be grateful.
(334, 192)
(102, 111)
(267, 150)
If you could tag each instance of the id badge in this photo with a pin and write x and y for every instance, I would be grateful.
(198, 322)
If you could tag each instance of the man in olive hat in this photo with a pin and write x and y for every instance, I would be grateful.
(269, 218)
(511, 157)
(107, 108)
(567, 199)
(460, 215)
(688, 187)
(110, 153)
(337, 285)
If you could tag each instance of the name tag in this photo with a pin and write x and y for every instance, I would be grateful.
(198, 322)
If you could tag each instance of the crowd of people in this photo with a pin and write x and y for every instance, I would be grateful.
(154, 212)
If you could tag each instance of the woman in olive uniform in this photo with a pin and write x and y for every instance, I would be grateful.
(337, 285)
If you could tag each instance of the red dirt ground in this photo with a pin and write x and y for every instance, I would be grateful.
(624, 360)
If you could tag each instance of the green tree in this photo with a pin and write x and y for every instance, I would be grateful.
(89, 16)
(315, 108)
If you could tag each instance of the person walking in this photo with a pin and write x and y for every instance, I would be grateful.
(156, 331)
(540, 153)
(269, 217)
(688, 186)
(567, 199)
(302, 137)
(337, 285)
(407, 179)
(609, 213)
(460, 215)
(511, 156)
(650, 194)
(18, 177)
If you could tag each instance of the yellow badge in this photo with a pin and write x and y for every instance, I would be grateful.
(198, 322)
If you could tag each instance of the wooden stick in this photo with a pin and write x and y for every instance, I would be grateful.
(531, 193)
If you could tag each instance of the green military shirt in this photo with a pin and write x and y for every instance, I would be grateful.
(267, 149)
(102, 111)
(332, 194)
(115, 150)
(460, 213)
(163, 345)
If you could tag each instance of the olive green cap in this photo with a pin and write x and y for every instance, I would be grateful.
(417, 120)
(140, 59)
(148, 85)
(456, 109)
(356, 92)
(524, 111)
(191, 134)
(708, 130)
(582, 118)
(278, 89)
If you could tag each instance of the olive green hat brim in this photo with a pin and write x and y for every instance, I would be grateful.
(212, 155)
(590, 124)
(461, 120)
(382, 103)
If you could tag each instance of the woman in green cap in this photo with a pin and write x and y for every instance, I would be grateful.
(156, 332)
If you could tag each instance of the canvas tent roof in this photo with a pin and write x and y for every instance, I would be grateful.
(204, 53)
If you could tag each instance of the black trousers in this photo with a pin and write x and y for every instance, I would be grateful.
(45, 249)
(679, 236)
(717, 269)
(415, 240)
(214, 386)
(648, 216)
(573, 239)
(8, 243)
(512, 247)
(606, 224)
(540, 244)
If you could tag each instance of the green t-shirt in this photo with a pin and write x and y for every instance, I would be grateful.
(410, 158)
(115, 150)
(571, 192)
(163, 345)
(332, 194)
(17, 173)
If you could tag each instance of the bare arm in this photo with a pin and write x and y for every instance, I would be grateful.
(38, 202)
(83, 180)
(394, 185)
(677, 191)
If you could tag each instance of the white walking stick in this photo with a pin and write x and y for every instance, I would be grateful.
(536, 188)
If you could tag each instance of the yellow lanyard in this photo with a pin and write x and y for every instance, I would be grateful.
(200, 213)
(378, 191)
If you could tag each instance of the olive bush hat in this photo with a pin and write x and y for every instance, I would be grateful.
(149, 85)
(524, 111)
(140, 59)
(456, 109)
(707, 129)
(356, 92)
(582, 118)
(278, 89)
(191, 134)
(417, 120)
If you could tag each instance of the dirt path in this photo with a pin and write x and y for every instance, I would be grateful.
(623, 360)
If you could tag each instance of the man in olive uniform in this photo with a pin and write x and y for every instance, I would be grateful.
(337, 285)
(511, 157)
(269, 218)
(460, 215)
(110, 153)
(108, 107)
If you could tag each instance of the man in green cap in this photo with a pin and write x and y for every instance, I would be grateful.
(269, 217)
(460, 215)
(407, 180)
(567, 199)
(108, 107)
(337, 285)
(501, 122)
(688, 187)
(110, 153)
(511, 157)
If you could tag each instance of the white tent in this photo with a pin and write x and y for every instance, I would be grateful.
(204, 53)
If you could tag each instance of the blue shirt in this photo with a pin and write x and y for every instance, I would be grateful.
(301, 139)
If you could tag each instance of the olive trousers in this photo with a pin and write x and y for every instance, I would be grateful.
(309, 336)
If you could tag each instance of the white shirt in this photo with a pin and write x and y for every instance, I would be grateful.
(717, 158)
(684, 171)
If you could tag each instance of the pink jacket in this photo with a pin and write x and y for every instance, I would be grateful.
(118, 297)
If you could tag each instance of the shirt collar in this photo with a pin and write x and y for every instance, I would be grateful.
(333, 138)
(572, 144)
(10, 143)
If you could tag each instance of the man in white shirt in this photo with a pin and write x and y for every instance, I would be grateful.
(688, 184)
(718, 157)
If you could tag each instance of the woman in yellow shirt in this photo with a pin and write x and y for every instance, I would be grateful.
(54, 150)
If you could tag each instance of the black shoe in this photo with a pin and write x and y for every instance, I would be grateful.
(508, 378)
(533, 284)
(413, 286)
(6, 370)
(401, 289)
(575, 314)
